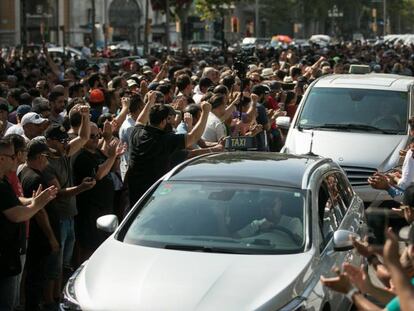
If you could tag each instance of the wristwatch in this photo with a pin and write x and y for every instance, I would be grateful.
(351, 293)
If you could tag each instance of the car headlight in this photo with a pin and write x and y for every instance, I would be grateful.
(297, 304)
(69, 301)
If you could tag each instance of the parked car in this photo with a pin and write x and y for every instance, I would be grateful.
(231, 231)
(322, 40)
(360, 121)
(205, 45)
(60, 52)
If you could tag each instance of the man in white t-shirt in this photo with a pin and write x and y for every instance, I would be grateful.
(201, 89)
(272, 217)
(215, 128)
(135, 107)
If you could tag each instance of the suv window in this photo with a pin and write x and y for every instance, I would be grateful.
(327, 219)
(345, 190)
(333, 202)
(338, 205)
(356, 109)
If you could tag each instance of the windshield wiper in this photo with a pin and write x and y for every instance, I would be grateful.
(349, 126)
(200, 248)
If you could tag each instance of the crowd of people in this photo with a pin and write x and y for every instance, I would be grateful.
(79, 144)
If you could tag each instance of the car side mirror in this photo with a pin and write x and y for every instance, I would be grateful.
(107, 223)
(342, 240)
(283, 122)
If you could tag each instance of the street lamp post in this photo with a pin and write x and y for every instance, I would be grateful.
(333, 14)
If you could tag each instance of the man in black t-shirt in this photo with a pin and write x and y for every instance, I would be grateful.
(91, 163)
(13, 215)
(151, 146)
(42, 259)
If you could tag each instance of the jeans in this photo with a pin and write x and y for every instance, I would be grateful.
(67, 242)
(8, 292)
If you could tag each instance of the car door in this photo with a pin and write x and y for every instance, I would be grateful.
(354, 219)
(332, 214)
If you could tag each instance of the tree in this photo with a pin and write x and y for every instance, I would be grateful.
(207, 9)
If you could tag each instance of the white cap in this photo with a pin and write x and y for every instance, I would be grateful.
(252, 67)
(32, 117)
(131, 82)
(267, 72)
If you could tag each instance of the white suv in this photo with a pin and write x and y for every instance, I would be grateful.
(360, 121)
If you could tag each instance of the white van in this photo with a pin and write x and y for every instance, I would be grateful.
(360, 121)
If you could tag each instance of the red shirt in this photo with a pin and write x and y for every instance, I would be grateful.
(15, 183)
(291, 110)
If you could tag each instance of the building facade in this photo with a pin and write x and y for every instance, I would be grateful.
(70, 21)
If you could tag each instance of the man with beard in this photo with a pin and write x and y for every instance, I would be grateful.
(57, 106)
(151, 145)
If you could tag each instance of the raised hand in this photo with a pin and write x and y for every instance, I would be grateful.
(125, 102)
(180, 103)
(41, 198)
(143, 87)
(391, 249)
(205, 106)
(188, 120)
(116, 148)
(254, 98)
(107, 130)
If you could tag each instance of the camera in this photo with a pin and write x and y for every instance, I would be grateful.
(378, 220)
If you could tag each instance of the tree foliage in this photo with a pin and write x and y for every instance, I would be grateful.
(207, 9)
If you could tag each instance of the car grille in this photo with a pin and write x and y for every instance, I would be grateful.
(358, 176)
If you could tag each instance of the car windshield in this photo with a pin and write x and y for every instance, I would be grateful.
(356, 109)
(221, 218)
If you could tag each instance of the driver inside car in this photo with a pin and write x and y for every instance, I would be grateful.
(270, 219)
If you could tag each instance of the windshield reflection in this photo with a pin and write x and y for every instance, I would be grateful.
(220, 217)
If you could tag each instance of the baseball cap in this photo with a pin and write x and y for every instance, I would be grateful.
(131, 82)
(260, 89)
(22, 110)
(56, 131)
(96, 96)
(36, 147)
(274, 85)
(153, 86)
(32, 117)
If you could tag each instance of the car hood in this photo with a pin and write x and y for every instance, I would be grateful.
(369, 150)
(122, 276)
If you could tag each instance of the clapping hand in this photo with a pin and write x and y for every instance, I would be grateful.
(379, 181)
(42, 197)
(391, 249)
(88, 183)
(358, 277)
(116, 148)
(339, 283)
